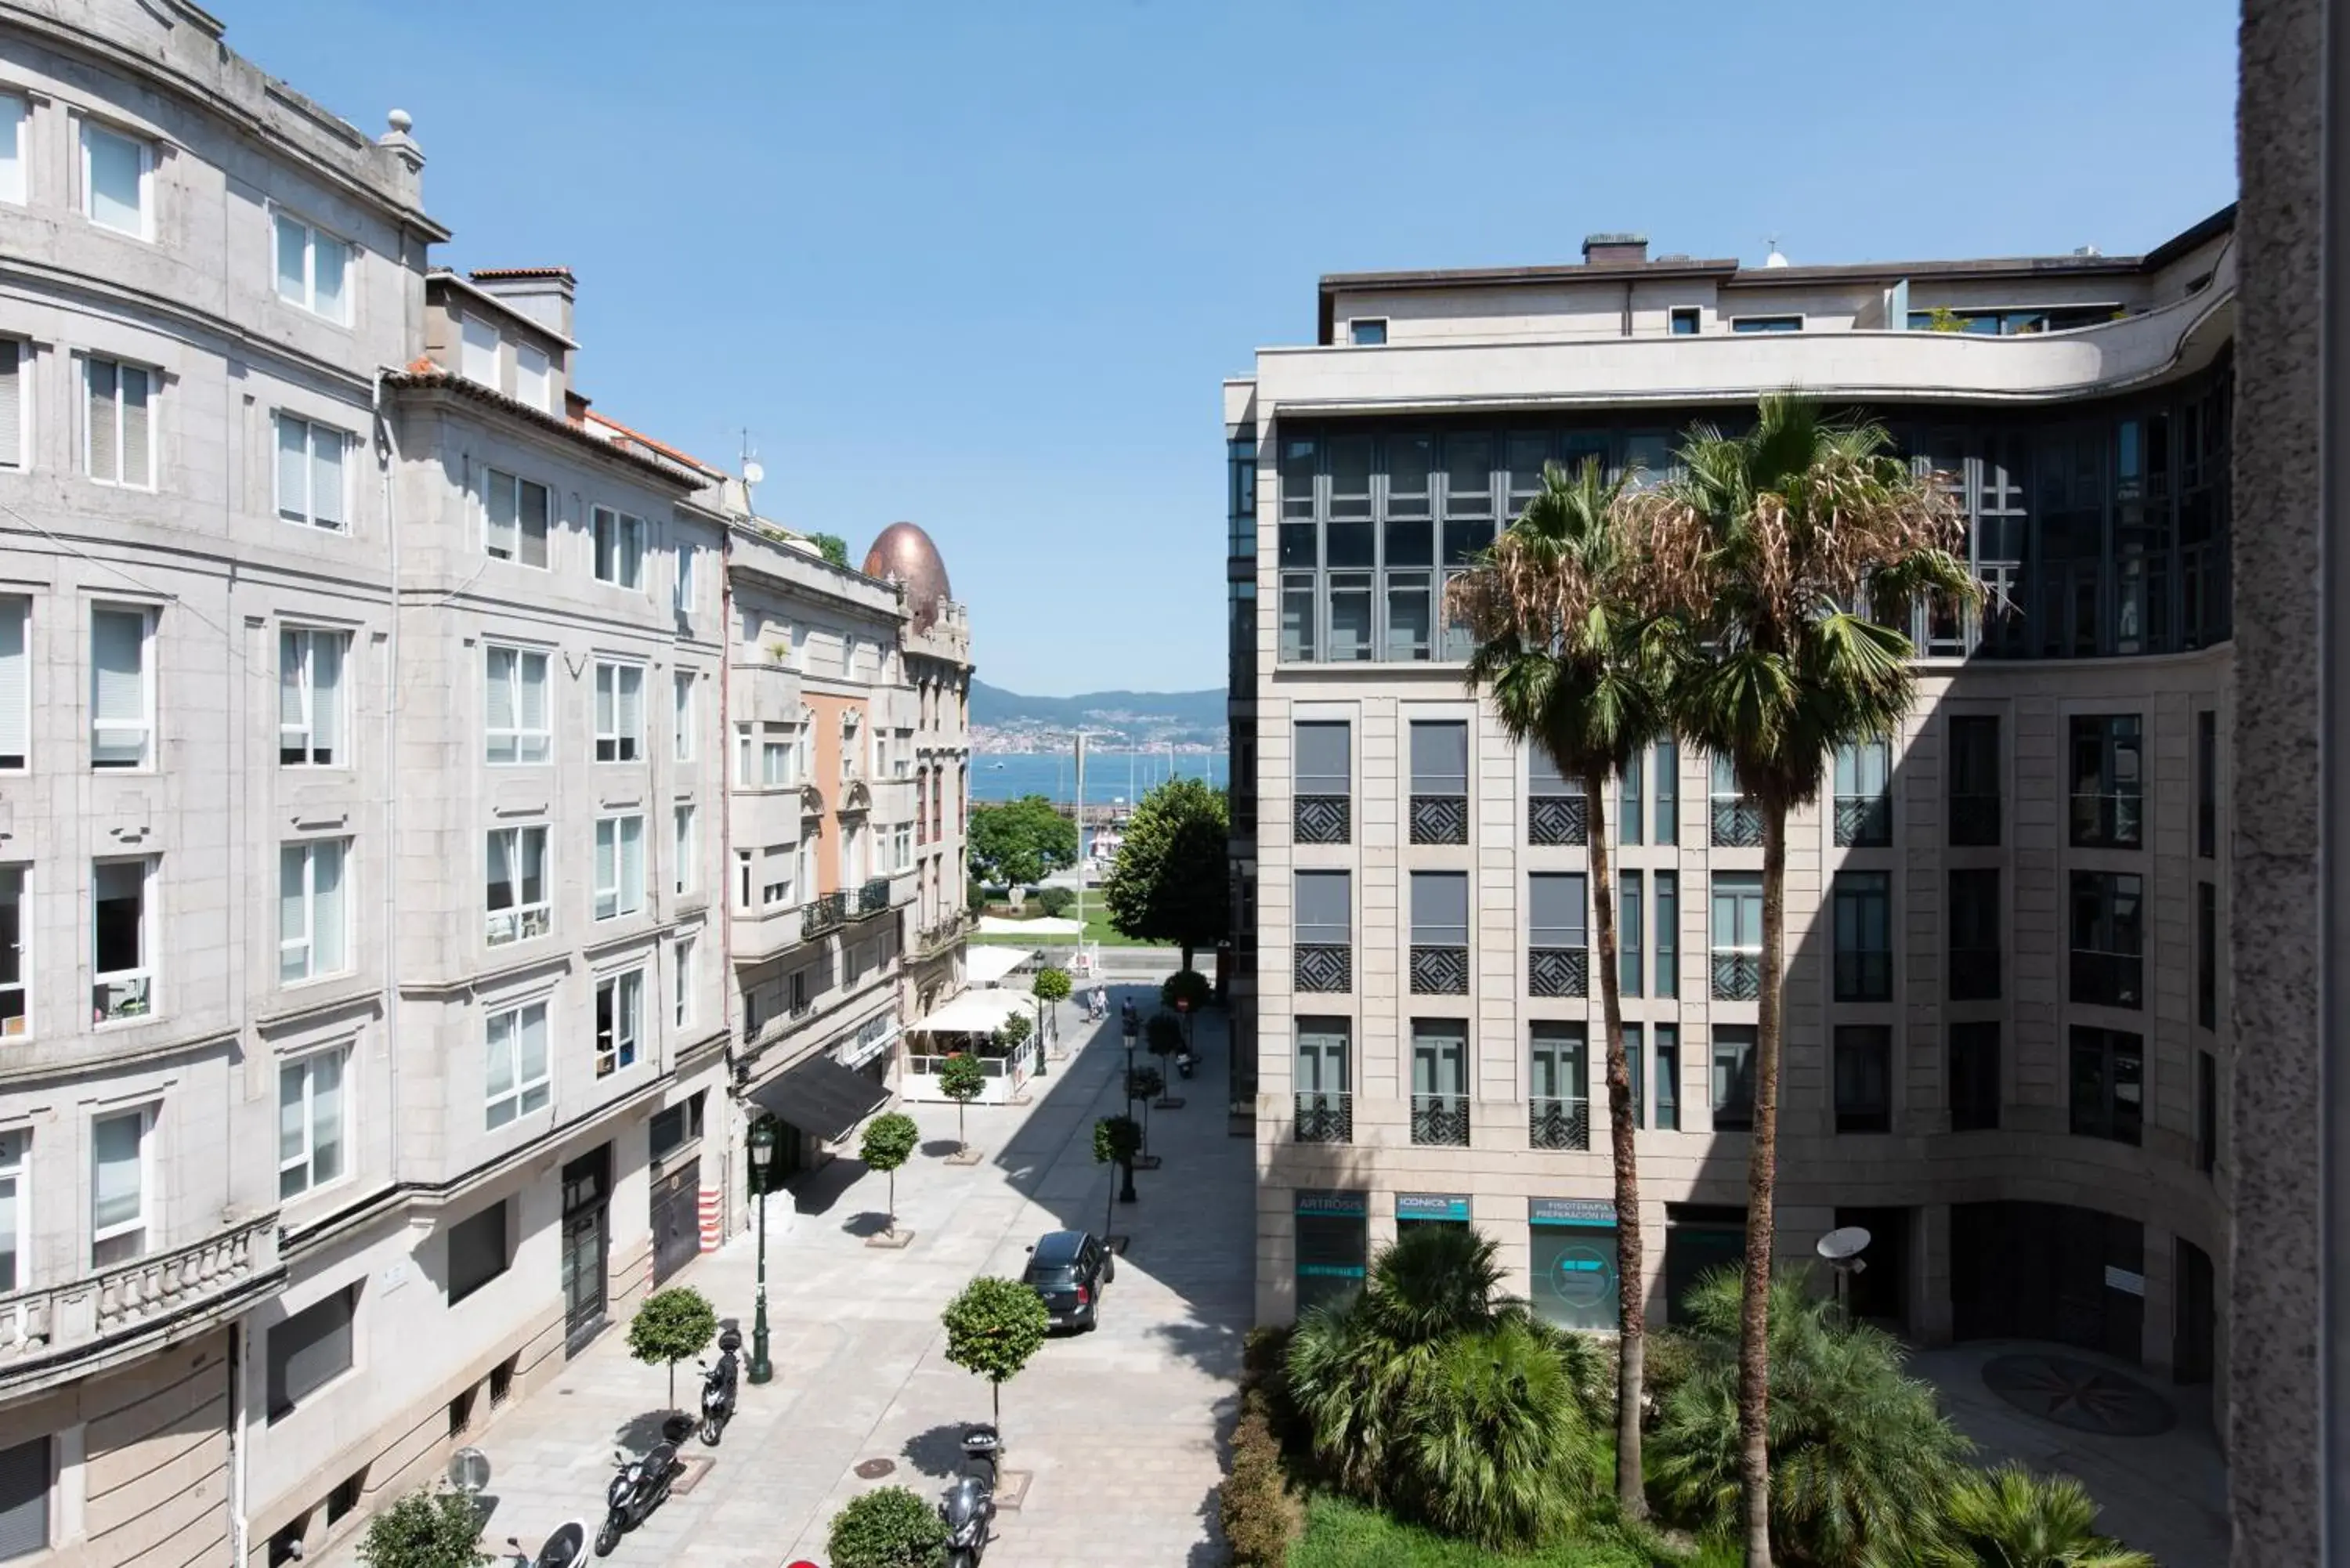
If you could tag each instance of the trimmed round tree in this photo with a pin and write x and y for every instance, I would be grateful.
(434, 1528)
(961, 1078)
(1163, 1036)
(672, 1326)
(1186, 985)
(893, 1527)
(1053, 984)
(993, 1329)
(1117, 1140)
(889, 1143)
(1146, 1083)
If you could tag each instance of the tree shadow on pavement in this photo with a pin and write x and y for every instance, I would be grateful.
(871, 1223)
(819, 1190)
(937, 1453)
(940, 1147)
(637, 1434)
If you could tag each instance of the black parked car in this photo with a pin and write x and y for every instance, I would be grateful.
(1068, 1269)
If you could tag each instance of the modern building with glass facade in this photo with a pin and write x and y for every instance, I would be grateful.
(2007, 1054)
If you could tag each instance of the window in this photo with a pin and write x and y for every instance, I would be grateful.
(1669, 920)
(1668, 792)
(310, 1120)
(682, 718)
(684, 848)
(15, 357)
(682, 594)
(517, 901)
(1440, 1081)
(2108, 1084)
(2108, 969)
(1737, 936)
(1975, 925)
(311, 268)
(2207, 954)
(514, 707)
(1440, 782)
(533, 378)
(1684, 319)
(1440, 933)
(1324, 780)
(2207, 1114)
(117, 182)
(312, 938)
(118, 429)
(121, 982)
(2207, 784)
(14, 1271)
(479, 1251)
(1324, 907)
(2106, 781)
(25, 1479)
(1630, 965)
(778, 755)
(1864, 936)
(12, 965)
(481, 351)
(1668, 1078)
(121, 688)
(619, 866)
(673, 1128)
(1733, 1077)
(620, 712)
(12, 167)
(515, 514)
(310, 485)
(620, 547)
(516, 1080)
(744, 866)
(1864, 1078)
(1367, 331)
(1737, 820)
(1766, 324)
(1974, 779)
(1554, 903)
(15, 683)
(619, 1020)
(1974, 1076)
(682, 970)
(118, 1180)
(1863, 799)
(775, 876)
(310, 699)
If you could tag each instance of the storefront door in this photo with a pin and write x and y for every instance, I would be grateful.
(1572, 1267)
(1333, 1246)
(676, 1219)
(587, 1245)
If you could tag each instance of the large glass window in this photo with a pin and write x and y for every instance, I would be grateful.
(2108, 940)
(1668, 936)
(1631, 965)
(1864, 795)
(2106, 781)
(1666, 776)
(517, 899)
(15, 677)
(1975, 925)
(619, 866)
(120, 1180)
(2207, 955)
(311, 268)
(313, 910)
(1974, 779)
(2108, 1084)
(117, 174)
(618, 543)
(1668, 1078)
(1733, 1077)
(15, 1275)
(619, 1020)
(1629, 823)
(515, 724)
(1975, 1075)
(310, 719)
(122, 983)
(1440, 782)
(514, 514)
(515, 1078)
(14, 956)
(310, 1117)
(1864, 1078)
(309, 1350)
(26, 1473)
(123, 688)
(1440, 933)
(1558, 1085)
(2207, 784)
(1864, 936)
(621, 713)
(1737, 936)
(310, 484)
(480, 1251)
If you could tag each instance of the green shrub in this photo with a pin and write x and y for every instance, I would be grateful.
(1260, 1517)
(1052, 984)
(1186, 985)
(435, 1528)
(1056, 901)
(2010, 1517)
(892, 1527)
(1666, 1360)
(670, 1326)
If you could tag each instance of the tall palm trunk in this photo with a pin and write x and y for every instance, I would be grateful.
(1761, 1182)
(1632, 1340)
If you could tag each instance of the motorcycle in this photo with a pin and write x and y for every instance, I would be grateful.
(969, 1506)
(641, 1486)
(566, 1548)
(720, 1383)
(1184, 1063)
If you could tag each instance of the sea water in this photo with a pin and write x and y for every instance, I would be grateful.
(1111, 777)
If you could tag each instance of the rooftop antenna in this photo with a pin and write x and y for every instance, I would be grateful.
(1774, 258)
(752, 472)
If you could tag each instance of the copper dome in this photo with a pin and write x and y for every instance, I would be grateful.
(905, 553)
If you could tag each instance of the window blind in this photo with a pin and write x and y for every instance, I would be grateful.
(15, 670)
(136, 445)
(102, 418)
(293, 468)
(114, 1197)
(119, 696)
(326, 477)
(309, 1350)
(498, 505)
(12, 403)
(24, 1500)
(498, 692)
(1555, 905)
(328, 260)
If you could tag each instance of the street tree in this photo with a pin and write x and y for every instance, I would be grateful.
(438, 1528)
(889, 1527)
(961, 1078)
(1186, 986)
(1018, 842)
(1117, 1140)
(889, 1143)
(672, 1326)
(1171, 882)
(1146, 1083)
(1757, 546)
(1053, 984)
(993, 1329)
(1573, 670)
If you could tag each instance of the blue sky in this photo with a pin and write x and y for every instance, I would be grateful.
(984, 266)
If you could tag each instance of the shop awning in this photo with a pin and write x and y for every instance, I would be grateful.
(972, 1012)
(821, 1097)
(1043, 925)
(985, 966)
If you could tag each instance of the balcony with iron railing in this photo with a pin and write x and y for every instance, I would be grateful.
(1974, 974)
(936, 938)
(822, 913)
(1864, 821)
(75, 1326)
(1864, 974)
(1557, 819)
(2108, 980)
(1440, 819)
(873, 897)
(1975, 820)
(1558, 972)
(1325, 1116)
(1439, 968)
(1440, 1119)
(1324, 967)
(1322, 819)
(1559, 1124)
(1737, 974)
(1737, 823)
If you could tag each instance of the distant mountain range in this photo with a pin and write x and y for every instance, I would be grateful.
(1153, 717)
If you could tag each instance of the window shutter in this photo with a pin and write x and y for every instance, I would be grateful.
(11, 404)
(137, 444)
(16, 726)
(535, 514)
(326, 907)
(293, 715)
(326, 695)
(326, 477)
(100, 416)
(293, 468)
(498, 690)
(116, 639)
(499, 504)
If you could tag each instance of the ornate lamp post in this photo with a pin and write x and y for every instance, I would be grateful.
(762, 1154)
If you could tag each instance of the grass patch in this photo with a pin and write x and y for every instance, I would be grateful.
(1342, 1534)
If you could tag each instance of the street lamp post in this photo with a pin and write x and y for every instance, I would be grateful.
(1133, 1025)
(762, 1155)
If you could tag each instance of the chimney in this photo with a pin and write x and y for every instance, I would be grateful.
(542, 293)
(1601, 250)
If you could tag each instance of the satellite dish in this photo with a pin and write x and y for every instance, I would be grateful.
(469, 1471)
(1841, 1246)
(753, 474)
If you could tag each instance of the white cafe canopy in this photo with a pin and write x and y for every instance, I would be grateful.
(985, 966)
(1043, 925)
(972, 1012)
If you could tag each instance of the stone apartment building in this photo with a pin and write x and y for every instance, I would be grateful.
(377, 1020)
(2008, 1053)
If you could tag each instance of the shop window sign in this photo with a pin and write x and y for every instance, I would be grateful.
(1333, 1246)
(1573, 1262)
(1432, 1208)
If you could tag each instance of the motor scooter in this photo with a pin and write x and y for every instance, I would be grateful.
(640, 1487)
(566, 1548)
(969, 1507)
(720, 1384)
(1184, 1063)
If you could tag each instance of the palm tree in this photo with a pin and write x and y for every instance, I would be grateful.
(1761, 545)
(1568, 666)
(2011, 1518)
(1495, 1450)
